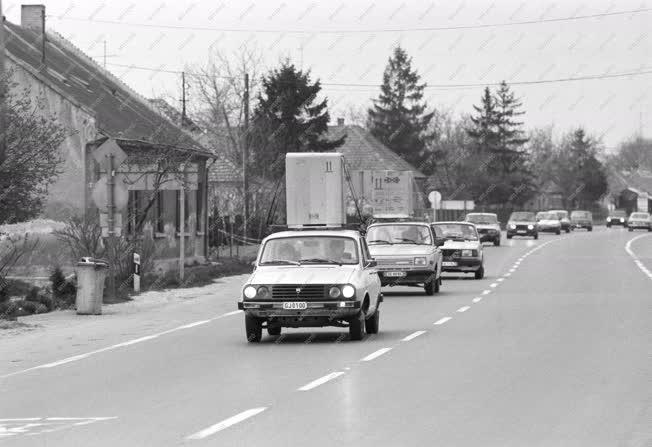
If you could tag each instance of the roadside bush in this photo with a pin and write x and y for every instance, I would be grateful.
(63, 291)
(38, 296)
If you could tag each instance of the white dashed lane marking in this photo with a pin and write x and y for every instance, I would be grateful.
(486, 292)
(376, 354)
(413, 335)
(463, 309)
(321, 381)
(441, 321)
(477, 299)
(226, 423)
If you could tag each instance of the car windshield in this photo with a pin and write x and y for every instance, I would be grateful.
(548, 216)
(482, 218)
(300, 250)
(619, 213)
(640, 215)
(561, 214)
(455, 231)
(522, 216)
(399, 234)
(580, 214)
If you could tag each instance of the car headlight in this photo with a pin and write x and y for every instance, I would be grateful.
(250, 292)
(622, 220)
(467, 253)
(262, 293)
(608, 219)
(334, 292)
(420, 261)
(512, 226)
(348, 291)
(530, 227)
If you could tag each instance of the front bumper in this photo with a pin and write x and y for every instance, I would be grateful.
(585, 224)
(412, 277)
(639, 226)
(463, 265)
(617, 222)
(549, 228)
(489, 236)
(334, 309)
(519, 232)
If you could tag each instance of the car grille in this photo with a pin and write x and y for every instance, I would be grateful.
(395, 261)
(306, 292)
(450, 254)
(483, 230)
(522, 227)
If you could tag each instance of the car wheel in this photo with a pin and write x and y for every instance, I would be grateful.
(371, 324)
(437, 284)
(430, 286)
(608, 225)
(536, 235)
(649, 229)
(631, 229)
(509, 236)
(274, 330)
(558, 232)
(567, 230)
(253, 329)
(479, 274)
(497, 242)
(356, 327)
(590, 229)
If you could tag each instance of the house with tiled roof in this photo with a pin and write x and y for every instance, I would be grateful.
(630, 190)
(365, 155)
(95, 106)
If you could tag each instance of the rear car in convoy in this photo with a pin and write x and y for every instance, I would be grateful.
(617, 217)
(487, 225)
(522, 223)
(639, 221)
(548, 222)
(563, 219)
(312, 278)
(406, 254)
(582, 219)
(461, 247)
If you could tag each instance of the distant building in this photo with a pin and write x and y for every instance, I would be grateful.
(631, 191)
(95, 105)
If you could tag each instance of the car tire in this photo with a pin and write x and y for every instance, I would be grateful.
(509, 236)
(479, 274)
(567, 230)
(649, 229)
(558, 232)
(608, 225)
(536, 236)
(274, 330)
(497, 242)
(356, 327)
(630, 229)
(437, 284)
(589, 229)
(253, 329)
(371, 324)
(430, 287)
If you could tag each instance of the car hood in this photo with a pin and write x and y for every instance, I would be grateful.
(400, 249)
(306, 274)
(520, 222)
(487, 227)
(461, 245)
(548, 222)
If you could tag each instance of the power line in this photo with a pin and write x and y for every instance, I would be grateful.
(355, 31)
(428, 85)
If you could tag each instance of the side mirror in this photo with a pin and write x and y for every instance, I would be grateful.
(439, 241)
(371, 263)
(253, 263)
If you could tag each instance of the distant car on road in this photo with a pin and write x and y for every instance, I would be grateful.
(548, 221)
(406, 254)
(522, 223)
(461, 247)
(582, 219)
(311, 279)
(487, 225)
(563, 219)
(617, 217)
(640, 221)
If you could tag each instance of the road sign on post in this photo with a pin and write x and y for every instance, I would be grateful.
(435, 200)
(136, 272)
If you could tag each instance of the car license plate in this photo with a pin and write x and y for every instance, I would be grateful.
(449, 264)
(295, 305)
(521, 231)
(394, 274)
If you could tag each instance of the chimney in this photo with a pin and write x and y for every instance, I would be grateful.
(340, 122)
(32, 17)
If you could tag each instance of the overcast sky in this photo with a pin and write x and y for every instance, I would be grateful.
(348, 42)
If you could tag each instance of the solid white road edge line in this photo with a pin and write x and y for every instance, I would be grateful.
(226, 423)
(413, 335)
(376, 354)
(463, 309)
(442, 321)
(321, 381)
(119, 345)
(638, 262)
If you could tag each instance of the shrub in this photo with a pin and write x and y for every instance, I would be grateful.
(63, 291)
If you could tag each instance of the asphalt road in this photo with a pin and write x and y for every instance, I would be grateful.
(553, 347)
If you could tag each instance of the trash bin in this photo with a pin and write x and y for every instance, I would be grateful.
(91, 274)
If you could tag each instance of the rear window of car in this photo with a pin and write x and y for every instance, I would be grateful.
(619, 213)
(482, 218)
(640, 215)
(581, 214)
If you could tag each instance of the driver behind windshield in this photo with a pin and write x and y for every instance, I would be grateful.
(336, 250)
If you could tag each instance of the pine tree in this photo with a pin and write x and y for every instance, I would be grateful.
(288, 118)
(398, 117)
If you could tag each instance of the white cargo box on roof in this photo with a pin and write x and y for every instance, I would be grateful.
(315, 189)
(392, 193)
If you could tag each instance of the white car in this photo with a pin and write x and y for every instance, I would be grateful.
(487, 225)
(548, 221)
(639, 221)
(461, 247)
(406, 254)
(312, 278)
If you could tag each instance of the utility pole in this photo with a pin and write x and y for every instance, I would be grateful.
(183, 98)
(245, 157)
(3, 106)
(110, 174)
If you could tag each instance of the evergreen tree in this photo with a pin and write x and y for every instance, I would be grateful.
(288, 118)
(398, 117)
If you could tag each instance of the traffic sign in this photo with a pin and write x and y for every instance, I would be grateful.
(120, 193)
(435, 198)
(108, 148)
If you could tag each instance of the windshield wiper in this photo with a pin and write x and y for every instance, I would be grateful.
(410, 241)
(281, 261)
(380, 241)
(319, 261)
